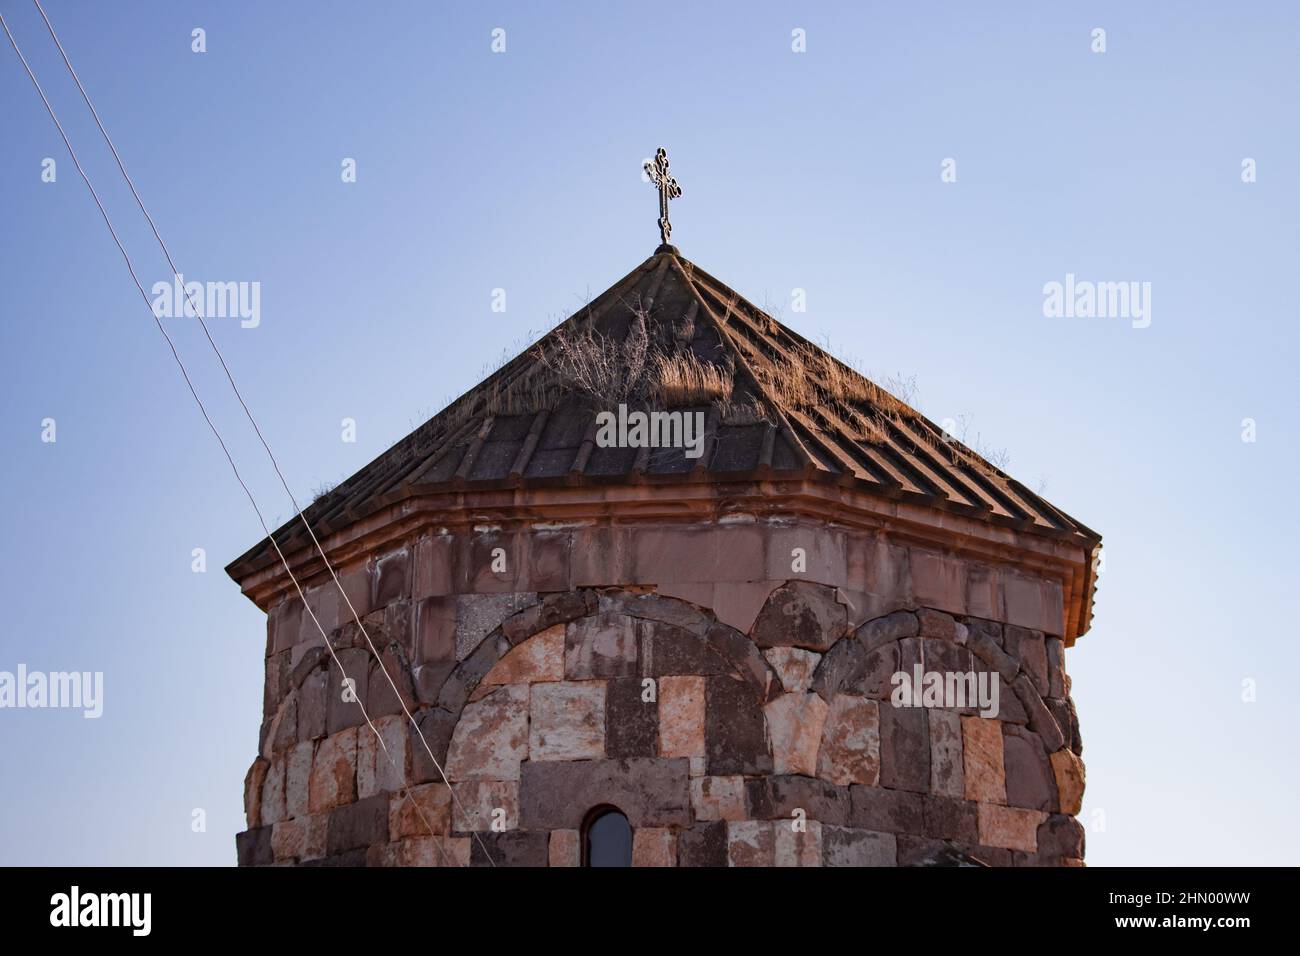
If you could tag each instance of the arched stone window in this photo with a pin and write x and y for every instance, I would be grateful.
(606, 838)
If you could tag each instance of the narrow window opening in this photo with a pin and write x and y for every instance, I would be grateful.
(606, 838)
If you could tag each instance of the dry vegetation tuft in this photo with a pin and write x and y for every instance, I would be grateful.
(682, 379)
(744, 413)
(598, 367)
(813, 382)
(321, 490)
(525, 395)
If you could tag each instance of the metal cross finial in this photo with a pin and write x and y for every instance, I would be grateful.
(657, 170)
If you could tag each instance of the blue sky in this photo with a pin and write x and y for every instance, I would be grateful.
(818, 171)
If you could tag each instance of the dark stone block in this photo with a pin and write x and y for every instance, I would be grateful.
(437, 727)
(878, 672)
(1030, 781)
(512, 848)
(1041, 720)
(887, 629)
(656, 607)
(1060, 711)
(945, 657)
(985, 646)
(704, 844)
(653, 792)
(801, 614)
(313, 705)
(315, 656)
(462, 681)
(1061, 837)
(848, 846)
(253, 847)
(890, 811)
(745, 658)
(554, 609)
(357, 825)
(904, 749)
(949, 819)
(777, 797)
(668, 650)
(735, 733)
(1055, 667)
(631, 724)
(380, 699)
(841, 670)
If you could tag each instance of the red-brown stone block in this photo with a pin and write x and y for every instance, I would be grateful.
(794, 725)
(1009, 827)
(491, 738)
(654, 846)
(479, 804)
(982, 755)
(334, 772)
(850, 744)
(539, 658)
(681, 716)
(424, 811)
(718, 798)
(1068, 771)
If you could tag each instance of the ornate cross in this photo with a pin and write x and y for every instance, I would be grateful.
(657, 170)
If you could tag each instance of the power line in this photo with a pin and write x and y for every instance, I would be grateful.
(206, 417)
(248, 413)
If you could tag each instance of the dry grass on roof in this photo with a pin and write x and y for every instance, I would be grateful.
(744, 413)
(811, 381)
(682, 379)
(603, 369)
(527, 394)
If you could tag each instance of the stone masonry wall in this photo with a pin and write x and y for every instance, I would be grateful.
(713, 712)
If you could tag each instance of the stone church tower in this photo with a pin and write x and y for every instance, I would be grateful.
(670, 655)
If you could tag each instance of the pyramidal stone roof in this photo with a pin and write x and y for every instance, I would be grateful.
(669, 336)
